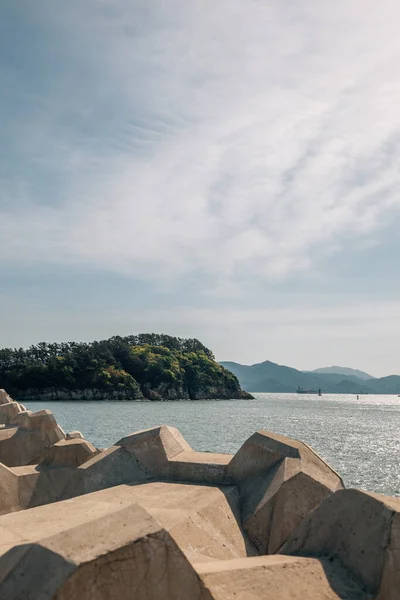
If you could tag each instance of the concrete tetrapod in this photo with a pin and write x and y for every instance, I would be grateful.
(41, 420)
(8, 410)
(101, 544)
(26, 486)
(106, 469)
(360, 529)
(278, 578)
(74, 435)
(4, 397)
(22, 446)
(274, 495)
(9, 407)
(203, 520)
(164, 453)
(153, 448)
(280, 480)
(68, 453)
(123, 555)
(32, 485)
(200, 467)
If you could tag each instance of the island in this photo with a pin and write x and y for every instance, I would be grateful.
(147, 366)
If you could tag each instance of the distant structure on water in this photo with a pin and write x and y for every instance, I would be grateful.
(300, 390)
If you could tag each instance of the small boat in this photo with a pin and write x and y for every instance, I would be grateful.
(300, 390)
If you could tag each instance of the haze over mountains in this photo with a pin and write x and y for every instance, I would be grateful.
(271, 377)
(343, 371)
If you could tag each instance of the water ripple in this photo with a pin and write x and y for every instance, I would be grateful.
(359, 438)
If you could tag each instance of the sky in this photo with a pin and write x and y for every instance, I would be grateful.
(222, 170)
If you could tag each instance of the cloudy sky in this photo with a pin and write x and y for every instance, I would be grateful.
(225, 170)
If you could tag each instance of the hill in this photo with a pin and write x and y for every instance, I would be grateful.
(145, 366)
(343, 371)
(271, 377)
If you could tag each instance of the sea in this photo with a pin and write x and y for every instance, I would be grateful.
(359, 438)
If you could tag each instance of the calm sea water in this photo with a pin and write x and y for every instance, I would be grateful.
(359, 438)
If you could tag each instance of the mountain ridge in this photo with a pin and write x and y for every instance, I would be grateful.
(346, 371)
(272, 377)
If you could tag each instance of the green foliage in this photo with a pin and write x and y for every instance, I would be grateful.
(133, 365)
(201, 372)
(111, 378)
(154, 365)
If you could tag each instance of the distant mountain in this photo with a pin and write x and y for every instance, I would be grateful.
(271, 377)
(343, 371)
(387, 385)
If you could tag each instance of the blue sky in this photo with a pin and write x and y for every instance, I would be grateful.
(229, 171)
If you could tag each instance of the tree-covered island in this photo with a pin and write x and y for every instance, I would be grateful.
(136, 367)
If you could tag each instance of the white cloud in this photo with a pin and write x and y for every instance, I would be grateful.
(221, 138)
